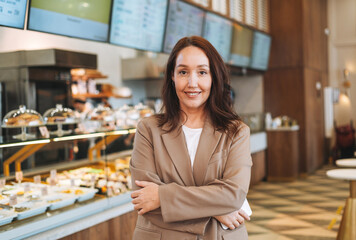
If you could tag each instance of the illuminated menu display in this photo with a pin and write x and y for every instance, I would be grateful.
(218, 31)
(86, 19)
(260, 51)
(12, 13)
(138, 23)
(241, 46)
(183, 20)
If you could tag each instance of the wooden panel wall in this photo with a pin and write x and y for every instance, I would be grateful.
(298, 62)
(286, 47)
(315, 43)
(121, 227)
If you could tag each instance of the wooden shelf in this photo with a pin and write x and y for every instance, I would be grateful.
(88, 76)
(99, 95)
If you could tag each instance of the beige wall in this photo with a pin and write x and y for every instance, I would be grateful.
(342, 52)
(108, 55)
(249, 94)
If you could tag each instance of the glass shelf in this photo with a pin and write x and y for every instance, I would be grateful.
(11, 142)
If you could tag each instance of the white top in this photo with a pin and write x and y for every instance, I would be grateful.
(350, 162)
(192, 136)
(344, 174)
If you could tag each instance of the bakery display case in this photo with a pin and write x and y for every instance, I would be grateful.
(47, 196)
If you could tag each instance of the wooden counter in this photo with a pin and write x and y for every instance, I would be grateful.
(283, 155)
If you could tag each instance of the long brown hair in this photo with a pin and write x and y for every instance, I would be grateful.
(218, 105)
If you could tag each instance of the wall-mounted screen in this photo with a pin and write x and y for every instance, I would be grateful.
(260, 51)
(138, 23)
(218, 31)
(88, 19)
(12, 13)
(183, 20)
(241, 46)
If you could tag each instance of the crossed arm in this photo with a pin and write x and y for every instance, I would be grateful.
(220, 198)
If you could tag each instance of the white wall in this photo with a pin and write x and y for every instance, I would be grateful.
(342, 53)
(249, 89)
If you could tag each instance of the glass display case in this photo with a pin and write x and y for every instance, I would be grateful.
(39, 194)
(22, 118)
(60, 116)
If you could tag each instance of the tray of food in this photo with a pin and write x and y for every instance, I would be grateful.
(82, 193)
(6, 216)
(60, 200)
(30, 208)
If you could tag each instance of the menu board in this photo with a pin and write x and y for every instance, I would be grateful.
(260, 51)
(12, 13)
(138, 23)
(183, 20)
(241, 46)
(218, 31)
(86, 19)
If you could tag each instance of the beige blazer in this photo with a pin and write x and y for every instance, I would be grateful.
(217, 185)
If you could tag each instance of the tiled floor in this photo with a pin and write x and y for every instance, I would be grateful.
(306, 209)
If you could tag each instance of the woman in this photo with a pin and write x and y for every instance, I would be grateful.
(191, 165)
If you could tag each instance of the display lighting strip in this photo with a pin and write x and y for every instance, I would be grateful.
(118, 132)
(91, 135)
(25, 143)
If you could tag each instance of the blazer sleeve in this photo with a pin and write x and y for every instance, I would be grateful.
(142, 167)
(219, 197)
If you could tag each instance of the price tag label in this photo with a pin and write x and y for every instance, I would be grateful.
(53, 173)
(12, 200)
(37, 179)
(52, 181)
(44, 191)
(44, 131)
(107, 170)
(26, 187)
(72, 182)
(110, 192)
(2, 182)
(19, 176)
(92, 178)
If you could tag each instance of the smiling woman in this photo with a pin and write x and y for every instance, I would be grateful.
(191, 164)
(192, 79)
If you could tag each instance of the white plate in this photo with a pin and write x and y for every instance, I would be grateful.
(6, 216)
(65, 200)
(34, 208)
(81, 193)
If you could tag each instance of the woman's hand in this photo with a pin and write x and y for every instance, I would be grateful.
(234, 219)
(146, 199)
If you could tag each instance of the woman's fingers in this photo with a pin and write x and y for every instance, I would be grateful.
(243, 214)
(240, 219)
(135, 194)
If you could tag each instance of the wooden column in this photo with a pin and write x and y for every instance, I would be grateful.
(298, 64)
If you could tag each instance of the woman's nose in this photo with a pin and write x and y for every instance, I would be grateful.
(193, 80)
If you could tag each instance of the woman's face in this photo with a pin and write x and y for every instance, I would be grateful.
(192, 79)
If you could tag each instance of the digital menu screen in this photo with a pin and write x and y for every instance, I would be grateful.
(183, 20)
(218, 31)
(138, 23)
(241, 46)
(12, 13)
(88, 19)
(260, 51)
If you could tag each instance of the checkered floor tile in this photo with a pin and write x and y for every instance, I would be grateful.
(306, 209)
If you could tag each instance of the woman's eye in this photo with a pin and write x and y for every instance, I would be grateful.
(202, 72)
(182, 72)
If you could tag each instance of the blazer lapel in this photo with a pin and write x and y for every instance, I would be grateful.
(176, 146)
(208, 141)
